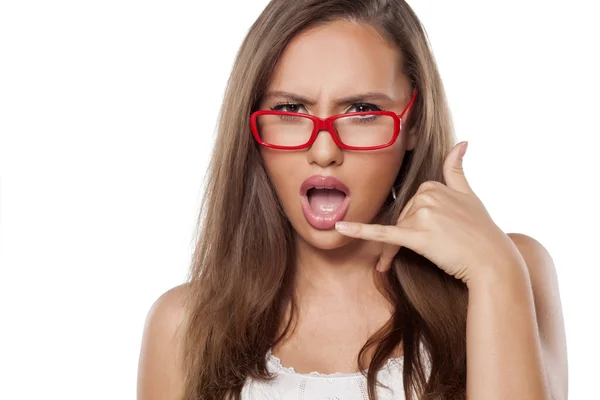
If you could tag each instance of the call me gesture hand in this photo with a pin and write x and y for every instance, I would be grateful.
(448, 225)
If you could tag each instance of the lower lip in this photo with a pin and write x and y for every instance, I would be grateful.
(324, 221)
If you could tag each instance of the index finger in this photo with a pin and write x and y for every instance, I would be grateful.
(391, 234)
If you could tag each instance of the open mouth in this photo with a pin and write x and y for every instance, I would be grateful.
(325, 200)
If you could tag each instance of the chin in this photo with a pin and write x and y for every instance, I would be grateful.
(323, 239)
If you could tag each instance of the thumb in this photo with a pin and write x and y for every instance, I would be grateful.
(454, 173)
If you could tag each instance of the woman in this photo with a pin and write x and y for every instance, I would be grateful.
(342, 253)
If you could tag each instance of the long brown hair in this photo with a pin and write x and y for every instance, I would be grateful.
(242, 272)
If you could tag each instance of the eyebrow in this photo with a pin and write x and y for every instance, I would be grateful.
(357, 98)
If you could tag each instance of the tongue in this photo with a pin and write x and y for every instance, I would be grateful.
(325, 201)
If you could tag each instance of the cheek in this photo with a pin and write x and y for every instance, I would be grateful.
(372, 180)
(373, 170)
(285, 176)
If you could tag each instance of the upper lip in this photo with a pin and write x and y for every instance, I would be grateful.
(323, 182)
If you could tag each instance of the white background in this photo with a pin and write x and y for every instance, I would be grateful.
(107, 116)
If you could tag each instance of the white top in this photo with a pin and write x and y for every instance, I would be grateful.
(290, 385)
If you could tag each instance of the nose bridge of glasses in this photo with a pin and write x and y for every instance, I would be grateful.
(324, 124)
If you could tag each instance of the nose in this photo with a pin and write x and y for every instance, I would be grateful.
(324, 151)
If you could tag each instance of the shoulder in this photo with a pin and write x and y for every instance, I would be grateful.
(540, 264)
(160, 374)
(548, 309)
(538, 259)
(526, 243)
(169, 308)
(541, 268)
(542, 273)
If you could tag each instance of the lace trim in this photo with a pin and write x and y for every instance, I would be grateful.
(275, 361)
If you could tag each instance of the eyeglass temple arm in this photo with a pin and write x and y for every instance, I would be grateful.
(410, 102)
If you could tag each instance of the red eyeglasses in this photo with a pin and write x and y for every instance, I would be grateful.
(369, 130)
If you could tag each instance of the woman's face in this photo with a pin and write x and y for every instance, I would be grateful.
(322, 65)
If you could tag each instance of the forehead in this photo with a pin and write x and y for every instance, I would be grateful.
(339, 59)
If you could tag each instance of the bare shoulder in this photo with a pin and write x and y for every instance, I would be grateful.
(548, 310)
(160, 374)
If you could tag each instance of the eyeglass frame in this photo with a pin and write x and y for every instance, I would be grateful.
(327, 124)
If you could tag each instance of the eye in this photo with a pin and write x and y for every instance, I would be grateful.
(365, 107)
(289, 107)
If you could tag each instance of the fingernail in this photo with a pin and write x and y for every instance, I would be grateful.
(341, 226)
(464, 148)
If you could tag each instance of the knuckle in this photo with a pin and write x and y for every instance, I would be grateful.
(424, 212)
(381, 232)
(427, 198)
(428, 185)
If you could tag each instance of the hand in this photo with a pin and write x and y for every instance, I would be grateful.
(446, 224)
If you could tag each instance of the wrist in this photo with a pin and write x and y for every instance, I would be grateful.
(506, 273)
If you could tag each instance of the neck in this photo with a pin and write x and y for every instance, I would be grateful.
(344, 273)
